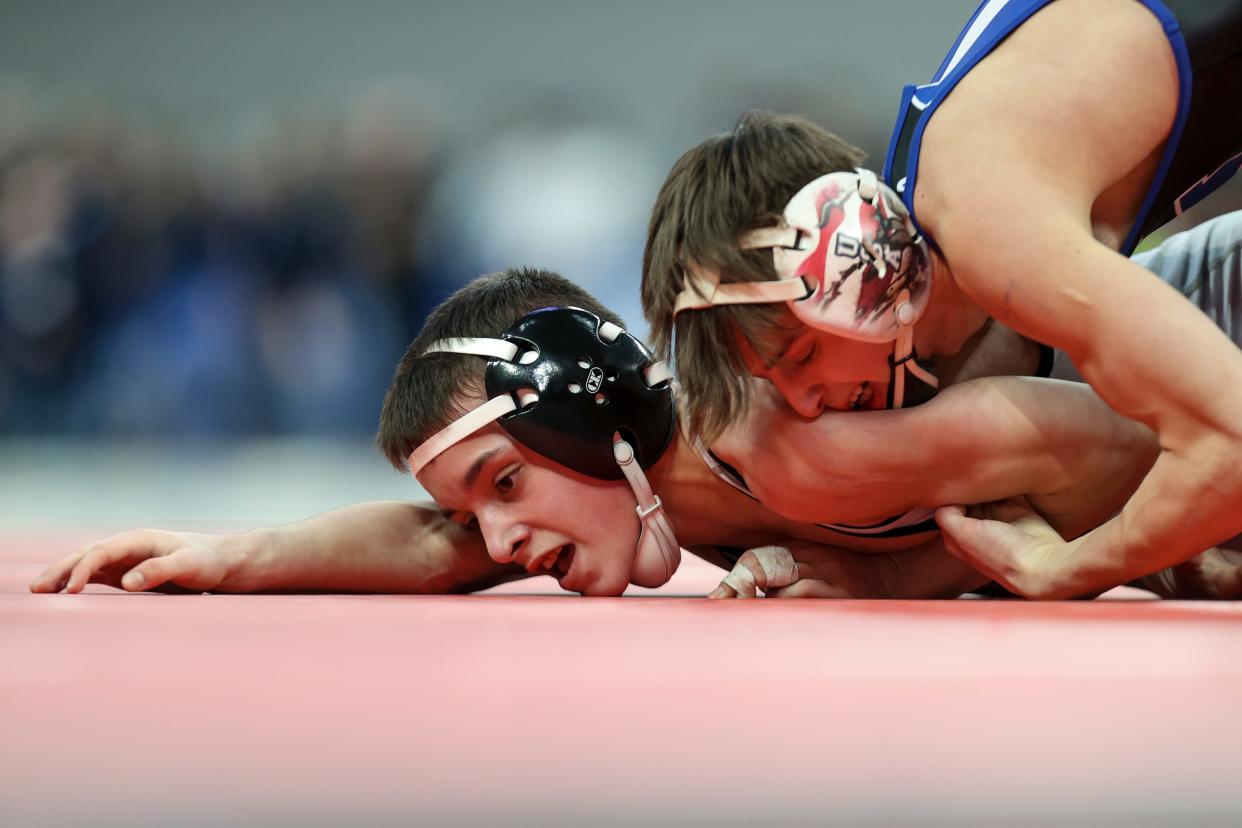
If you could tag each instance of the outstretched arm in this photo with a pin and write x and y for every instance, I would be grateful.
(369, 547)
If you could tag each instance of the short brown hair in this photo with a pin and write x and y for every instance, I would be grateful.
(727, 185)
(426, 390)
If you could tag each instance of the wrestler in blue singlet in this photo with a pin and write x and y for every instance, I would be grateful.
(1204, 147)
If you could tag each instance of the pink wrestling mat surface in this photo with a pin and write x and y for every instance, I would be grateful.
(121, 709)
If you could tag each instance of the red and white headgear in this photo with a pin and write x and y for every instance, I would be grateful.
(848, 261)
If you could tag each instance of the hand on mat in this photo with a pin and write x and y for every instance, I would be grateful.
(805, 570)
(1011, 543)
(145, 559)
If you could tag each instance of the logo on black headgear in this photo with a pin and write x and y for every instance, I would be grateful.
(591, 384)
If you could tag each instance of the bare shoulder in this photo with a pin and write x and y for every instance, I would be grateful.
(1078, 96)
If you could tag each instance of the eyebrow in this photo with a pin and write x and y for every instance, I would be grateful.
(472, 474)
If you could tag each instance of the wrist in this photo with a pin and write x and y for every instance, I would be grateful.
(250, 563)
(1070, 570)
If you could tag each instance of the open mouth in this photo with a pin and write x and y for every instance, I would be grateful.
(557, 562)
(861, 396)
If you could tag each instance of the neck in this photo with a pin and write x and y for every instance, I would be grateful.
(951, 318)
(690, 492)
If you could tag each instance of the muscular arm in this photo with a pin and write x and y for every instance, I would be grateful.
(1045, 163)
(983, 440)
(377, 547)
(368, 547)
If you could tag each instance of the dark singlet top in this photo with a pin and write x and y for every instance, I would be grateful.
(1204, 148)
(1205, 145)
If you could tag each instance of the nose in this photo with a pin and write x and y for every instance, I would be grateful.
(805, 398)
(504, 540)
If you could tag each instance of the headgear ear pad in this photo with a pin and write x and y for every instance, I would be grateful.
(866, 262)
(589, 388)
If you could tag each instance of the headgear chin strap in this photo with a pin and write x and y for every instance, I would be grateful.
(848, 261)
(585, 394)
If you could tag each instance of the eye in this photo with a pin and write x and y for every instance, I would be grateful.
(507, 480)
(465, 519)
(800, 354)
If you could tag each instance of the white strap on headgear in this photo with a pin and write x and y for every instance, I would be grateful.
(778, 235)
(656, 373)
(703, 290)
(903, 351)
(488, 412)
(460, 429)
(903, 309)
(658, 554)
(481, 346)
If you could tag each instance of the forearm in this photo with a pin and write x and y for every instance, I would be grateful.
(1012, 436)
(1174, 515)
(1055, 443)
(929, 571)
(1175, 373)
(384, 547)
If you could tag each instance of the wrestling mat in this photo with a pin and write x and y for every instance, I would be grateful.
(542, 709)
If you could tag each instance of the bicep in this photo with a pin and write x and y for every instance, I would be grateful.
(1010, 184)
(1143, 347)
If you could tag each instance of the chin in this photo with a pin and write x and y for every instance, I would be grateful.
(604, 587)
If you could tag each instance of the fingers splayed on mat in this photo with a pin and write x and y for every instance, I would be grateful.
(144, 559)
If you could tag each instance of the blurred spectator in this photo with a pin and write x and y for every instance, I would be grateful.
(147, 290)
(546, 190)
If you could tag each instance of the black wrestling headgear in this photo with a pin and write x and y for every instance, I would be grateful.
(592, 382)
(583, 393)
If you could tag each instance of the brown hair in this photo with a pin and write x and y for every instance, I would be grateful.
(426, 390)
(728, 184)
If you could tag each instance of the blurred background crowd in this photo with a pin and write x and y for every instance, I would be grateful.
(229, 219)
(226, 219)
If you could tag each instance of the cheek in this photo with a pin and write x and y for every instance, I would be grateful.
(849, 361)
(613, 511)
(793, 381)
(612, 532)
(593, 514)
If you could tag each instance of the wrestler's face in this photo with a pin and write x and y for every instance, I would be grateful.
(815, 370)
(537, 513)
